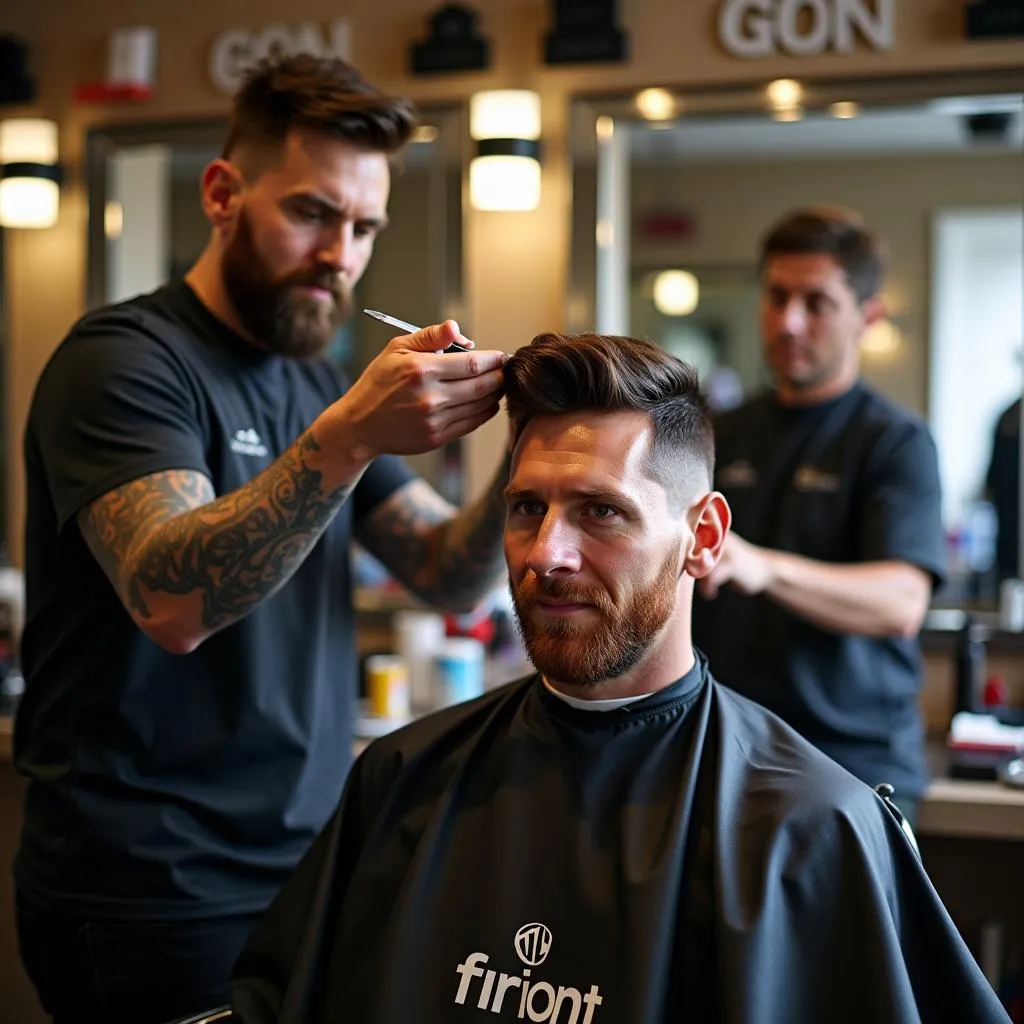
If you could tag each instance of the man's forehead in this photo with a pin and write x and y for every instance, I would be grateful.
(321, 160)
(598, 448)
(578, 433)
(803, 271)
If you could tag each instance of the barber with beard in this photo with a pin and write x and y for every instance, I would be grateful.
(195, 472)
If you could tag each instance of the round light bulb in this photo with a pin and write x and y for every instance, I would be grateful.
(845, 109)
(676, 292)
(656, 104)
(784, 93)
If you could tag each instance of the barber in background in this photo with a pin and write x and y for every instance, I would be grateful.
(815, 606)
(195, 471)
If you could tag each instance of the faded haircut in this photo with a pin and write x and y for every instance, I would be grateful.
(559, 373)
(324, 95)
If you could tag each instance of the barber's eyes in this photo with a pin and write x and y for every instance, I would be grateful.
(604, 511)
(310, 214)
(526, 507)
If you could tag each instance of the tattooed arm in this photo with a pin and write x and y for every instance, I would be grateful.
(448, 558)
(186, 563)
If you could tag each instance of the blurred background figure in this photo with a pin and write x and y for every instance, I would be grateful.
(837, 542)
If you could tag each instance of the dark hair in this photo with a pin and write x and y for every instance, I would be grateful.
(324, 94)
(836, 232)
(558, 373)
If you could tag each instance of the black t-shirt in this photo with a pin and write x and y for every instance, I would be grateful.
(167, 785)
(853, 480)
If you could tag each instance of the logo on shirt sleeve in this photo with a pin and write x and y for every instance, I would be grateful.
(248, 442)
(737, 474)
(810, 478)
(537, 1000)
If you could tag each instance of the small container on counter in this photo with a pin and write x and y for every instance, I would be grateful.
(418, 636)
(1011, 605)
(458, 670)
(387, 684)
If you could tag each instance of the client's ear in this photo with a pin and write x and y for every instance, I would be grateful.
(709, 520)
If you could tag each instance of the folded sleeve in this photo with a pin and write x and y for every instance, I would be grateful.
(901, 503)
(113, 405)
(385, 475)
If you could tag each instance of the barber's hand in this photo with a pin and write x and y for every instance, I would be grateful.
(741, 565)
(413, 398)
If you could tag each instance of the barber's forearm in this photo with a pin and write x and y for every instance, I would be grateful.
(210, 566)
(465, 559)
(870, 599)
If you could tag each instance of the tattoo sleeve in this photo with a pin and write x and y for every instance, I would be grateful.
(168, 545)
(448, 558)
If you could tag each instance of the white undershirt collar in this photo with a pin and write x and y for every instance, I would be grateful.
(593, 705)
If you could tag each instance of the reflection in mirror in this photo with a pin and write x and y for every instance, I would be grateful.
(669, 210)
(146, 225)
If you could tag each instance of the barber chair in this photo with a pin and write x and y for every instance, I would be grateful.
(223, 1013)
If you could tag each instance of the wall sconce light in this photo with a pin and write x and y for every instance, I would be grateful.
(882, 340)
(29, 173)
(656, 105)
(785, 99)
(845, 110)
(504, 173)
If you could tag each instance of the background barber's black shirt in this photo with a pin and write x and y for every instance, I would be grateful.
(854, 480)
(162, 784)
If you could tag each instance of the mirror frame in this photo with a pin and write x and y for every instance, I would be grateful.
(450, 120)
(723, 101)
(101, 142)
(720, 101)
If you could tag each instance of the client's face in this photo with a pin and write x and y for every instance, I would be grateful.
(593, 550)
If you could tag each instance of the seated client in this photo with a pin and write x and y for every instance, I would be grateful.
(616, 839)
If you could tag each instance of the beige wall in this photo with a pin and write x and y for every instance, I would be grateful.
(733, 203)
(515, 266)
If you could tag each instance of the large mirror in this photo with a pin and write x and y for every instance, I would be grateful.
(672, 192)
(146, 225)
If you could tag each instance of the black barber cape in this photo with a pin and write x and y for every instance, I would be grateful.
(686, 858)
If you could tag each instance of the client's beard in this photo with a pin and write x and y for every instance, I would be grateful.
(588, 653)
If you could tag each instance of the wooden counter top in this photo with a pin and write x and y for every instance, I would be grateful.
(968, 809)
(6, 736)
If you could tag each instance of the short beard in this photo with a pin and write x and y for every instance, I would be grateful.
(300, 327)
(569, 652)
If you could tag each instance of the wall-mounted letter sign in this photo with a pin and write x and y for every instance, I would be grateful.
(804, 28)
(239, 48)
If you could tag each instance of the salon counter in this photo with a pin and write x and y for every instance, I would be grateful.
(967, 809)
(942, 627)
(1004, 657)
